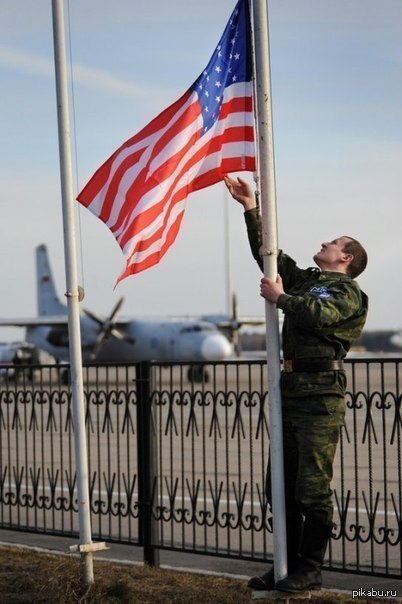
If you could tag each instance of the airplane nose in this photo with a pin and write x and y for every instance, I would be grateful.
(215, 348)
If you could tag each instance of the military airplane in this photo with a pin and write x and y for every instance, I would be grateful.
(114, 339)
(16, 354)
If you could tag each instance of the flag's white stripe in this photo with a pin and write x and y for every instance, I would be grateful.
(130, 175)
(159, 243)
(173, 146)
(213, 160)
(96, 204)
(232, 92)
(220, 125)
(238, 90)
(204, 165)
(232, 120)
(157, 194)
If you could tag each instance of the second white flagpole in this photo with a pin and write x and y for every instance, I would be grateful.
(86, 547)
(269, 255)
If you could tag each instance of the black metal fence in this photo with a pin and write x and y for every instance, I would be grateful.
(177, 460)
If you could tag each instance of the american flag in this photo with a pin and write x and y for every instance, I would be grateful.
(140, 192)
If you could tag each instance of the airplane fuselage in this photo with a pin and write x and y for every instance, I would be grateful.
(116, 340)
(165, 340)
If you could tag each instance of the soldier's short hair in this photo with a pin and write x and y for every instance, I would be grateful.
(359, 262)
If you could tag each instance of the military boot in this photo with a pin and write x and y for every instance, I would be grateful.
(307, 572)
(294, 527)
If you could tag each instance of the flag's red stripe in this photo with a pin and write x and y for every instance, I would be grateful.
(234, 105)
(204, 180)
(228, 136)
(111, 192)
(230, 164)
(153, 259)
(146, 218)
(211, 177)
(234, 134)
(239, 104)
(145, 182)
(100, 178)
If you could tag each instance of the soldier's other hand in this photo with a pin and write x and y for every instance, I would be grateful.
(270, 289)
(241, 191)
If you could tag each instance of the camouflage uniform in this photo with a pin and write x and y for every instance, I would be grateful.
(324, 314)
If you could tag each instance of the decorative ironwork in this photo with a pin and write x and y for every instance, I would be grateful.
(180, 464)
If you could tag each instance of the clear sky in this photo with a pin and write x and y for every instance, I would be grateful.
(337, 104)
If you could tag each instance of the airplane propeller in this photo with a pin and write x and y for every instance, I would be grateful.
(233, 325)
(108, 329)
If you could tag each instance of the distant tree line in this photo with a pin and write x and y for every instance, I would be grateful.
(373, 341)
(378, 341)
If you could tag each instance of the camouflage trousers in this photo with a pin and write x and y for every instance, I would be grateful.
(309, 443)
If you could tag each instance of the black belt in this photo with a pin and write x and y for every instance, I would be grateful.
(310, 366)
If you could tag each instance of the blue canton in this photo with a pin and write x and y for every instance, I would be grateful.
(229, 64)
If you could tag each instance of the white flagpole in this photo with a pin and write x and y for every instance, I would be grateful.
(78, 406)
(269, 254)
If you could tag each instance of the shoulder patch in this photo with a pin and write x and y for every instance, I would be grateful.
(320, 292)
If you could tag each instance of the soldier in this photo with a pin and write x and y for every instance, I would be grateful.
(324, 313)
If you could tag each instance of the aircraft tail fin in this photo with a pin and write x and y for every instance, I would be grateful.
(48, 301)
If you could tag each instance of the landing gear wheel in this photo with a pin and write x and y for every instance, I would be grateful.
(65, 377)
(197, 373)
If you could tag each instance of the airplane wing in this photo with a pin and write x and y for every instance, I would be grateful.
(34, 321)
(241, 321)
(48, 320)
(225, 321)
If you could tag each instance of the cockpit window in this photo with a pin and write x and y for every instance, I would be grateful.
(197, 328)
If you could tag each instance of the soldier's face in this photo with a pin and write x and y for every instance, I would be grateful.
(331, 255)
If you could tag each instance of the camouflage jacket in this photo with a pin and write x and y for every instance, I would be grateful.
(324, 313)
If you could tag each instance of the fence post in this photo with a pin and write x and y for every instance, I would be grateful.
(146, 465)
